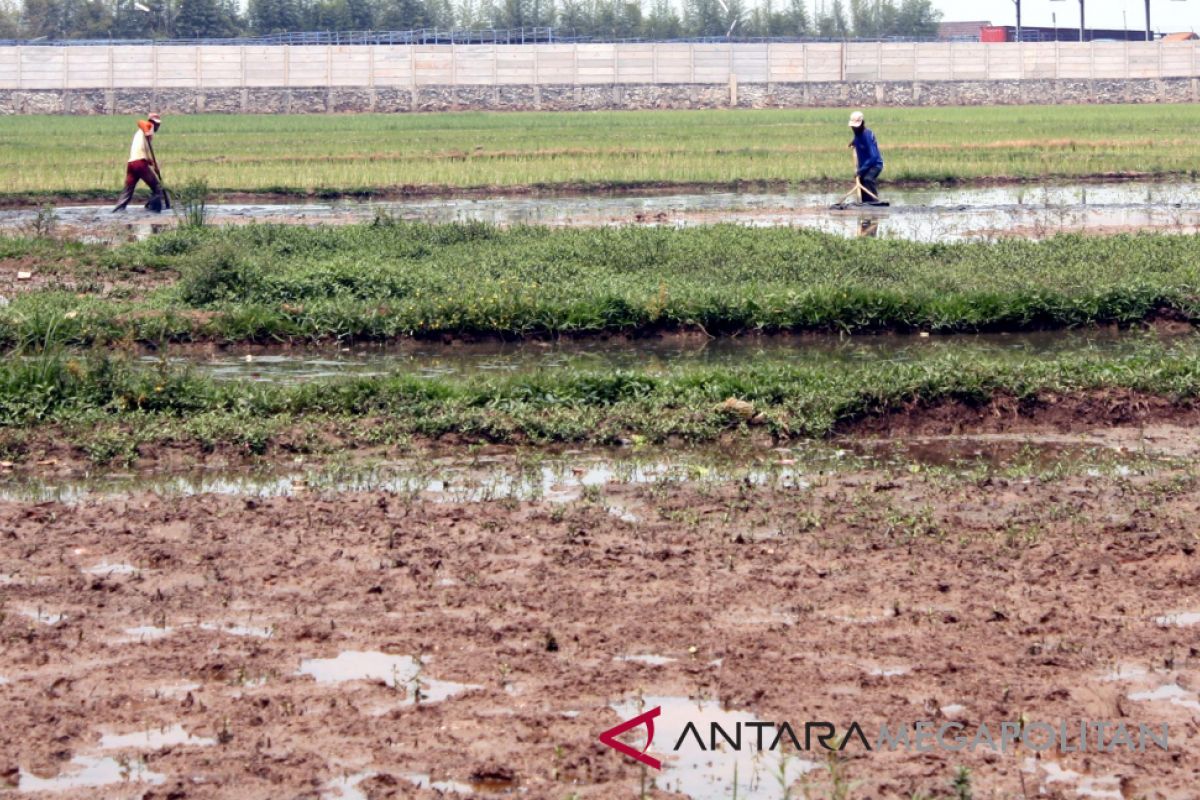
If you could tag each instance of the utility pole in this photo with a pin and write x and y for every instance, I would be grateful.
(1149, 35)
(1082, 24)
(1017, 3)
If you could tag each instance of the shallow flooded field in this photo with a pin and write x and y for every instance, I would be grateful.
(928, 215)
(466, 359)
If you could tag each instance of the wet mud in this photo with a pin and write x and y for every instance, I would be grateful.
(381, 643)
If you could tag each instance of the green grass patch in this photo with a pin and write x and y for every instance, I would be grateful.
(386, 280)
(161, 405)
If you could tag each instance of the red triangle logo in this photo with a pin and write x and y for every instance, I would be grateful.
(609, 737)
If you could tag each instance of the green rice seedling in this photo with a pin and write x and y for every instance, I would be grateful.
(191, 203)
(961, 785)
(44, 224)
(367, 155)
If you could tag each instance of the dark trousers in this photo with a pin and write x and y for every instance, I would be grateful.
(138, 171)
(869, 180)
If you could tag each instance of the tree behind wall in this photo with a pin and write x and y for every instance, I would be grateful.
(918, 18)
(710, 17)
(196, 19)
(663, 22)
(619, 19)
(775, 19)
(10, 20)
(831, 22)
(274, 16)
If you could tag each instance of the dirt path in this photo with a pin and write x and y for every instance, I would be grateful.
(872, 595)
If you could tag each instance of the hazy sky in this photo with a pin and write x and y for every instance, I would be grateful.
(1165, 15)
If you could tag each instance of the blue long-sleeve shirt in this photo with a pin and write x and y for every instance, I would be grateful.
(868, 151)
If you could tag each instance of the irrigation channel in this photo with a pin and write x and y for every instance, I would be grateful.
(294, 364)
(564, 474)
(928, 215)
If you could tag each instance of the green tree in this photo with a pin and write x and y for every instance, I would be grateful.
(576, 16)
(663, 22)
(131, 22)
(790, 19)
(863, 19)
(10, 20)
(362, 14)
(712, 17)
(831, 23)
(274, 16)
(196, 19)
(67, 19)
(918, 18)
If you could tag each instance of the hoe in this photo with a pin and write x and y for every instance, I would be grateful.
(858, 189)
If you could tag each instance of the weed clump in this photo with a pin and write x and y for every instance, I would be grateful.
(219, 272)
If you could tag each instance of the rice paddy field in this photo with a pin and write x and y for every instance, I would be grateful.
(49, 157)
(387, 500)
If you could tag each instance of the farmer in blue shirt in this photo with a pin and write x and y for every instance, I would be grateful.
(870, 162)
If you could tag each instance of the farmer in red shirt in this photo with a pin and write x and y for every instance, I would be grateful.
(142, 166)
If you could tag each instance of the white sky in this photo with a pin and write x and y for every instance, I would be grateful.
(1165, 15)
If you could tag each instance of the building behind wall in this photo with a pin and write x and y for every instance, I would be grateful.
(1029, 33)
(961, 31)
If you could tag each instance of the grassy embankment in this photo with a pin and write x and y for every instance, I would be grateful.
(388, 280)
(59, 157)
(108, 408)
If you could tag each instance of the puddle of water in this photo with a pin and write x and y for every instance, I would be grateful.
(1181, 619)
(1093, 786)
(180, 689)
(710, 774)
(423, 359)
(42, 616)
(346, 787)
(105, 569)
(650, 660)
(154, 739)
(953, 709)
(889, 672)
(556, 479)
(920, 214)
(1125, 672)
(623, 514)
(1171, 693)
(401, 672)
(238, 630)
(566, 477)
(423, 781)
(145, 633)
(85, 772)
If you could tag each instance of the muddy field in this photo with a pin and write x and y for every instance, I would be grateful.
(398, 643)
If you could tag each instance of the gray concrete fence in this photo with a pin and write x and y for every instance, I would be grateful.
(319, 78)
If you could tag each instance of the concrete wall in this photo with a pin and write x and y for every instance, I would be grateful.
(320, 79)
